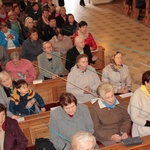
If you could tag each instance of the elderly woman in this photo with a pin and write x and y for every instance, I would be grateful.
(61, 42)
(79, 48)
(20, 68)
(10, 132)
(88, 38)
(69, 118)
(83, 80)
(139, 108)
(83, 141)
(117, 74)
(8, 37)
(49, 63)
(14, 23)
(4, 58)
(7, 86)
(32, 46)
(111, 120)
(29, 24)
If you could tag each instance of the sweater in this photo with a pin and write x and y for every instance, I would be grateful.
(89, 40)
(109, 121)
(82, 80)
(118, 78)
(61, 46)
(139, 111)
(4, 41)
(4, 99)
(4, 58)
(24, 70)
(18, 103)
(14, 137)
(30, 50)
(54, 66)
(73, 53)
(67, 126)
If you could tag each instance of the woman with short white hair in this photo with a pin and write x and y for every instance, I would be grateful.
(111, 120)
(79, 48)
(83, 141)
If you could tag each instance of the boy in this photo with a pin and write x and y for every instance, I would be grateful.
(21, 95)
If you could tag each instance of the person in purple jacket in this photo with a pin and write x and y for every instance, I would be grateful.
(11, 136)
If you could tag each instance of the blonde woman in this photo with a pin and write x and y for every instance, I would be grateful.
(83, 141)
(29, 24)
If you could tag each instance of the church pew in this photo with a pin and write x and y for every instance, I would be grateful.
(135, 11)
(99, 64)
(120, 146)
(35, 126)
(126, 7)
(146, 19)
(50, 90)
(9, 51)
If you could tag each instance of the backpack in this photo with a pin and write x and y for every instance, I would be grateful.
(44, 144)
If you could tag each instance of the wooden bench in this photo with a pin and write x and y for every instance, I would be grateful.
(99, 64)
(126, 7)
(35, 126)
(146, 20)
(135, 11)
(50, 90)
(120, 146)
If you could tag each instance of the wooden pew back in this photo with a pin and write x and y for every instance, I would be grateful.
(99, 64)
(50, 90)
(35, 127)
(120, 146)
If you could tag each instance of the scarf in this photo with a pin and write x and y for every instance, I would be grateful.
(83, 35)
(15, 97)
(145, 91)
(108, 105)
(13, 21)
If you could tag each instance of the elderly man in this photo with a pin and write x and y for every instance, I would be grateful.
(14, 23)
(79, 48)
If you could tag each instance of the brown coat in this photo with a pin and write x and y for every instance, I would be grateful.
(109, 121)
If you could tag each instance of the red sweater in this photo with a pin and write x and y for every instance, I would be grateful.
(89, 40)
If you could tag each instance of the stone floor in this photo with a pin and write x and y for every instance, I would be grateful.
(115, 31)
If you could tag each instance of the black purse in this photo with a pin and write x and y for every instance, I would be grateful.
(44, 144)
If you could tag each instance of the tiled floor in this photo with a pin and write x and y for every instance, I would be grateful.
(115, 31)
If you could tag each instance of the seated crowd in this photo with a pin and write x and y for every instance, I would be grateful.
(45, 35)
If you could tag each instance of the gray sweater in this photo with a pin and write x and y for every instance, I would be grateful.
(54, 66)
(5, 100)
(67, 126)
(4, 58)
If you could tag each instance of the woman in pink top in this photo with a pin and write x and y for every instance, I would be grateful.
(20, 68)
(89, 40)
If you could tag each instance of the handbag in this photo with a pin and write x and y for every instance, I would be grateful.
(44, 144)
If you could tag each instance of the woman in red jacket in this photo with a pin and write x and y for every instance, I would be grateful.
(11, 136)
(88, 38)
